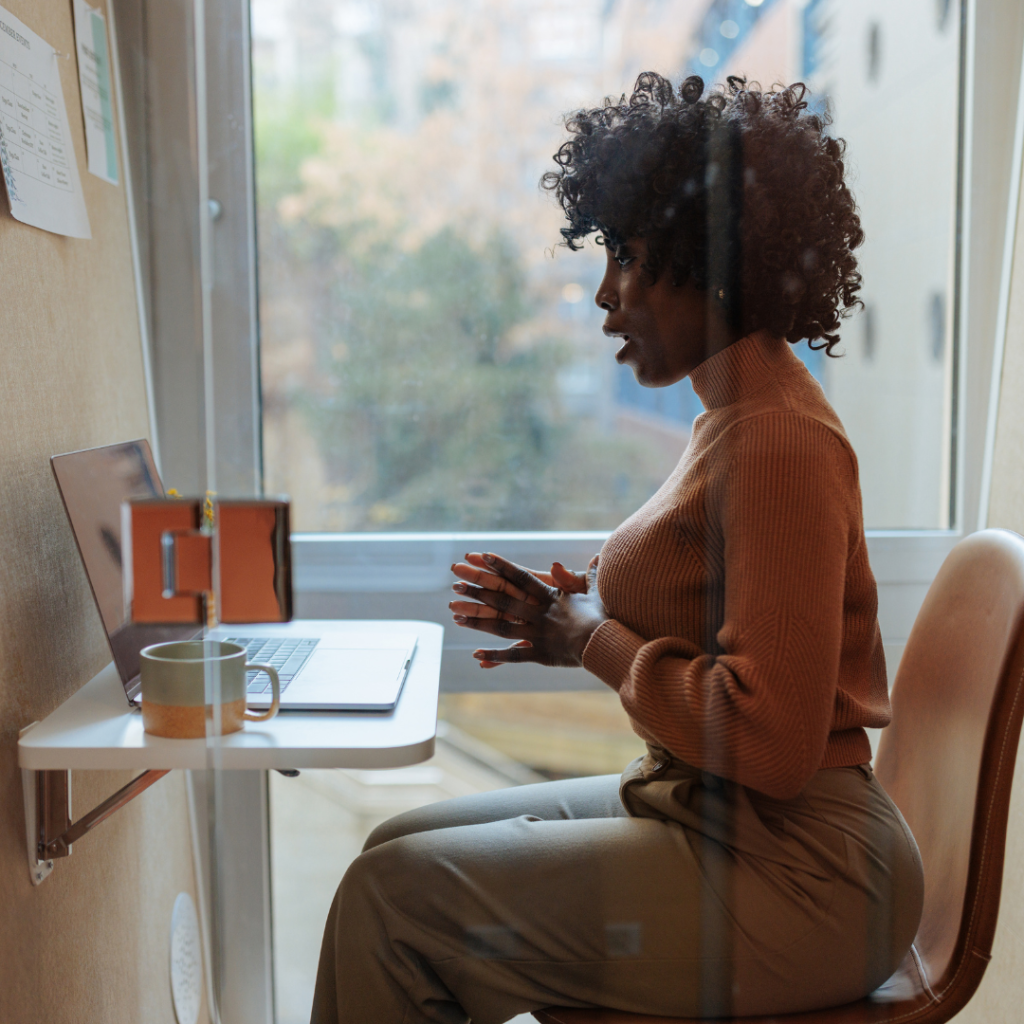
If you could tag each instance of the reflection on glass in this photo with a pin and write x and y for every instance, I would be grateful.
(411, 287)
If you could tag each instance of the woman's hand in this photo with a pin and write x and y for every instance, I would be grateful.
(552, 615)
(476, 570)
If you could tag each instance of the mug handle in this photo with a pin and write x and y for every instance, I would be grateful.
(252, 716)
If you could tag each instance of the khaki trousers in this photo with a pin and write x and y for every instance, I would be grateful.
(707, 899)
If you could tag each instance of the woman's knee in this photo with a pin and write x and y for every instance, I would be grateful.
(395, 872)
(383, 833)
(594, 797)
(428, 818)
(371, 872)
(404, 824)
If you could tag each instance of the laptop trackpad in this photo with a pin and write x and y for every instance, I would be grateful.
(353, 678)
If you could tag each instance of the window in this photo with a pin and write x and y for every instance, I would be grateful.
(429, 362)
(433, 361)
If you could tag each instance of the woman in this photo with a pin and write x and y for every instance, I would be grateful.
(750, 863)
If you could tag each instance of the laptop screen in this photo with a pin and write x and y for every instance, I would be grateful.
(93, 484)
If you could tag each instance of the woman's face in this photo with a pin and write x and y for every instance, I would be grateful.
(664, 327)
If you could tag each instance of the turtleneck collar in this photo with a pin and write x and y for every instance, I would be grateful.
(740, 369)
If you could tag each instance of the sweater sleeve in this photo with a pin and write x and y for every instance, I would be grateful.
(759, 710)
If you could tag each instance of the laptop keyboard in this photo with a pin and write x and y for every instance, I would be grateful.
(287, 655)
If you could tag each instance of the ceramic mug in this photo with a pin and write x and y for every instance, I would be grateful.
(174, 678)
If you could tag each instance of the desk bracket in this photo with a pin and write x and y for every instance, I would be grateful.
(49, 830)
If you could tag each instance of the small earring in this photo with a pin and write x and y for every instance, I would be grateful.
(721, 294)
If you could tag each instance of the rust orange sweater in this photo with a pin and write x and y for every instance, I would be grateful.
(743, 634)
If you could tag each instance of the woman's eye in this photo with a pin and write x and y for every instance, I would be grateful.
(624, 261)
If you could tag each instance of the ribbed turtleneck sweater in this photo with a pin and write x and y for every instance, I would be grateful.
(743, 633)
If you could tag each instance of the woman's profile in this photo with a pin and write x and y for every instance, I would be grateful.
(750, 863)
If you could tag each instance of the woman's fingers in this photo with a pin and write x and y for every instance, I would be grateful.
(544, 577)
(485, 578)
(568, 580)
(480, 611)
(522, 651)
(510, 596)
(519, 577)
(509, 600)
(499, 627)
(498, 600)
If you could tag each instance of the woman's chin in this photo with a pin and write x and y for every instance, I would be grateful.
(640, 371)
(658, 376)
(647, 378)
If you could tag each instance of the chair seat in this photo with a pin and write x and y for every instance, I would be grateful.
(905, 997)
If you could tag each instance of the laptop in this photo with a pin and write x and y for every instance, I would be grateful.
(322, 667)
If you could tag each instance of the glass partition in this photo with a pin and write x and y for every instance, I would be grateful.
(432, 360)
(185, 67)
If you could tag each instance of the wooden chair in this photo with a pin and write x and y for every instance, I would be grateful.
(947, 761)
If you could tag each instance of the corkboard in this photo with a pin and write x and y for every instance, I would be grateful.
(91, 943)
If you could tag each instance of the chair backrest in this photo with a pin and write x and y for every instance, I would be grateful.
(947, 760)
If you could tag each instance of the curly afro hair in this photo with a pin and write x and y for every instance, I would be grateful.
(741, 191)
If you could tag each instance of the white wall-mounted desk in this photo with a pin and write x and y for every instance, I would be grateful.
(95, 729)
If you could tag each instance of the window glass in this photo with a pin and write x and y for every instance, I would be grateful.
(432, 360)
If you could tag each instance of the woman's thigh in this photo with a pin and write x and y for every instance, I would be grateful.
(593, 797)
(518, 913)
(522, 912)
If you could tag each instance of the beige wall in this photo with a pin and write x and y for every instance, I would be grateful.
(91, 943)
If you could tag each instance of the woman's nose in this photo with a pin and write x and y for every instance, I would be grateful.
(606, 298)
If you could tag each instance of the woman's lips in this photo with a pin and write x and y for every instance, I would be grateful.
(621, 354)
